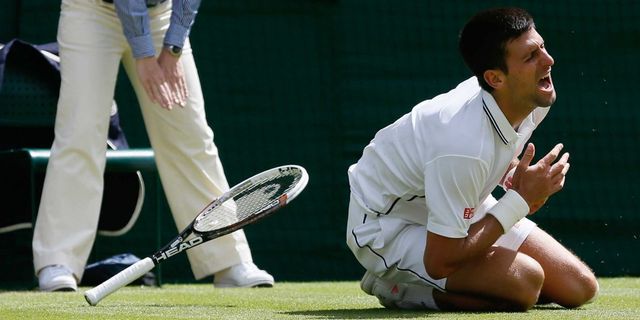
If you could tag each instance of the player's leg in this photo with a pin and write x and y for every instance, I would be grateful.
(519, 288)
(69, 209)
(509, 280)
(568, 282)
(392, 250)
(502, 280)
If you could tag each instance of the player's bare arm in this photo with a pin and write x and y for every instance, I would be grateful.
(443, 256)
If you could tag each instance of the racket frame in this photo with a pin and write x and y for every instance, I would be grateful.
(184, 242)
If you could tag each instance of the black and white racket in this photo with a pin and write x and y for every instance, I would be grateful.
(243, 204)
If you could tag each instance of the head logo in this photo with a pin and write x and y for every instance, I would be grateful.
(468, 213)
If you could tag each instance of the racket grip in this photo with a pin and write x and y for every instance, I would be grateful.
(118, 281)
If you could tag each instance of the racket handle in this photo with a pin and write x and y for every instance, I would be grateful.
(118, 281)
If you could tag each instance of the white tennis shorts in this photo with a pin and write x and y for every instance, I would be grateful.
(393, 248)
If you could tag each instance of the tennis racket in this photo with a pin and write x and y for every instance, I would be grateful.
(245, 203)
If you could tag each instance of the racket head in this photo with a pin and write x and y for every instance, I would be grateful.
(251, 199)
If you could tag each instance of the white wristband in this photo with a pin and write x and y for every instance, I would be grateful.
(509, 209)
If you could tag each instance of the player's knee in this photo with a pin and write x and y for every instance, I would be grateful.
(593, 288)
(583, 289)
(530, 280)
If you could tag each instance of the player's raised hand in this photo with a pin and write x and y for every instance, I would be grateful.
(535, 183)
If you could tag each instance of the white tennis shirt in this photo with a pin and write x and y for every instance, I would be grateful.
(447, 155)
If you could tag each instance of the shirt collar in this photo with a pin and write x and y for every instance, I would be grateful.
(499, 122)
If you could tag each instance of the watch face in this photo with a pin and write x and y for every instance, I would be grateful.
(174, 50)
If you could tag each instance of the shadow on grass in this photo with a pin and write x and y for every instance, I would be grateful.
(382, 313)
(548, 307)
(377, 313)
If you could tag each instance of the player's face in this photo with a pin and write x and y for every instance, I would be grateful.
(529, 70)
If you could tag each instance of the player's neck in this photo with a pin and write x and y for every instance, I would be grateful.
(515, 111)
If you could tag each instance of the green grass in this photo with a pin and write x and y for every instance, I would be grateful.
(619, 299)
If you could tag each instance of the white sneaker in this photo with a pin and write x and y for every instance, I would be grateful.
(366, 284)
(242, 275)
(57, 278)
(387, 293)
(398, 295)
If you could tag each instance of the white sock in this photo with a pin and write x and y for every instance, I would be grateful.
(404, 295)
(417, 297)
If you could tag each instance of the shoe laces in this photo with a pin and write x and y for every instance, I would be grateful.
(249, 267)
(58, 270)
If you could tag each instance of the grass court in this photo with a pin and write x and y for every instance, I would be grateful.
(619, 299)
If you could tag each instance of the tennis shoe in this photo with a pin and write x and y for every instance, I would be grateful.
(366, 284)
(57, 278)
(386, 292)
(398, 295)
(242, 275)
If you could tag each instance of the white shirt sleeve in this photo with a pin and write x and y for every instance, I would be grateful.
(452, 188)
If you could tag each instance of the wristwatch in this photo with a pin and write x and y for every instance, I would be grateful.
(174, 50)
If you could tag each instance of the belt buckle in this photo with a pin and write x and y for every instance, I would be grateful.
(155, 4)
(149, 5)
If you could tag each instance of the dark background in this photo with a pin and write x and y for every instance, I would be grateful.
(310, 82)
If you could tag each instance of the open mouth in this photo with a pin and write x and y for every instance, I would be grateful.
(545, 83)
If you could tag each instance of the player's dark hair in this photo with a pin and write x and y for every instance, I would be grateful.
(484, 38)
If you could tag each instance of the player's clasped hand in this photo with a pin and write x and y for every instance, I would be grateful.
(535, 183)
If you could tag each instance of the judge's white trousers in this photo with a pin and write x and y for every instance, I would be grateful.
(92, 45)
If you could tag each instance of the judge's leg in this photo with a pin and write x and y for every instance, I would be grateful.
(191, 171)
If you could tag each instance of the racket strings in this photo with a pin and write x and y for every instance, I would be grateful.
(258, 197)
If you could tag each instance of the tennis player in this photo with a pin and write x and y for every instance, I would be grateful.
(422, 219)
